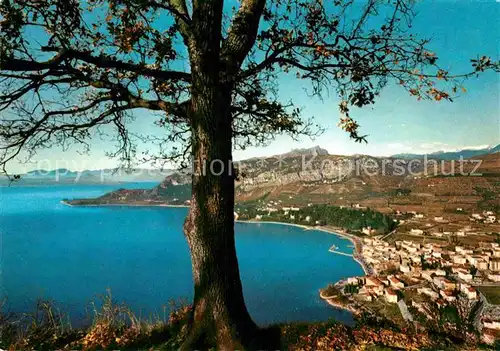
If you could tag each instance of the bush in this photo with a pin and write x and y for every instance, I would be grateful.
(114, 326)
(348, 218)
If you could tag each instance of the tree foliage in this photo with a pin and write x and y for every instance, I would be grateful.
(349, 218)
(71, 70)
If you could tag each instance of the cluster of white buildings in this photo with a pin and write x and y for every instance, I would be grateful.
(434, 225)
(488, 217)
(414, 259)
(437, 273)
(272, 207)
(372, 287)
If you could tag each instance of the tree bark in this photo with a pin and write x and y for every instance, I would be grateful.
(219, 316)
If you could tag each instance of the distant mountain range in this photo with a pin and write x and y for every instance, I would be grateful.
(452, 155)
(376, 182)
(314, 151)
(121, 175)
(106, 176)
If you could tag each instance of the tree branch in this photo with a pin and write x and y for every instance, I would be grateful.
(178, 8)
(102, 61)
(242, 33)
(180, 12)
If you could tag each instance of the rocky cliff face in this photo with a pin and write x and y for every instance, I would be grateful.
(321, 169)
(314, 176)
(314, 151)
(310, 173)
(309, 166)
(278, 172)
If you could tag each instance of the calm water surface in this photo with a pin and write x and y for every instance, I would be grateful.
(73, 254)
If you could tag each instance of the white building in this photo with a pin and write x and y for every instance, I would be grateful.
(495, 265)
(391, 296)
(404, 268)
(494, 277)
(471, 293)
(352, 280)
(490, 219)
(491, 324)
(464, 275)
(447, 295)
(440, 272)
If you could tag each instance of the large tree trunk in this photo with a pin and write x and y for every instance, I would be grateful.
(220, 316)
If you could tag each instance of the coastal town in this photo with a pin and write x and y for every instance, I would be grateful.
(412, 276)
(412, 282)
(429, 262)
(249, 175)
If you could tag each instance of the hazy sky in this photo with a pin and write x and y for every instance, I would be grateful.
(460, 30)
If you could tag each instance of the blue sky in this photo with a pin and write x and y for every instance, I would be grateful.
(460, 30)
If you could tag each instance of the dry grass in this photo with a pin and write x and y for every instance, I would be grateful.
(114, 326)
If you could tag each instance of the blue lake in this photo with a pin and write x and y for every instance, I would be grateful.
(73, 254)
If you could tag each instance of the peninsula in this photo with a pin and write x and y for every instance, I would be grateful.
(428, 243)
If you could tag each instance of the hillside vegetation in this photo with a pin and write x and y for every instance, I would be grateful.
(340, 217)
(115, 327)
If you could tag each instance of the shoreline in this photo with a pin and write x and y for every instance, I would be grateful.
(253, 221)
(330, 230)
(122, 205)
(358, 245)
(348, 308)
(338, 232)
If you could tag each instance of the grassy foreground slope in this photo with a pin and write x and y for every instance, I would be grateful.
(115, 327)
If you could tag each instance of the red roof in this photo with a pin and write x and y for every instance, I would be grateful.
(389, 291)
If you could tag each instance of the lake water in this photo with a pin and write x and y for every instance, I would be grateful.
(73, 254)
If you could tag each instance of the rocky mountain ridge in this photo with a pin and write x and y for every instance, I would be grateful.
(453, 155)
(316, 165)
(380, 183)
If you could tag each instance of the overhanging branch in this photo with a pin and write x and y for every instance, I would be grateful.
(102, 61)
